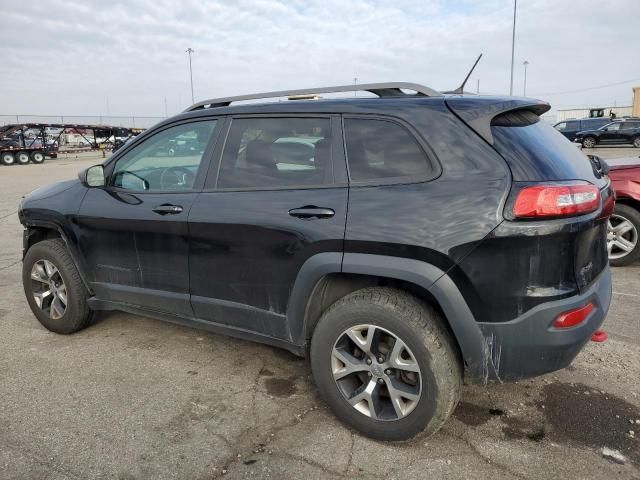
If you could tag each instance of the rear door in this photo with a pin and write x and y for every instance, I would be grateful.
(277, 196)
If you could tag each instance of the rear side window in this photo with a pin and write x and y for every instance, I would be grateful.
(383, 150)
(538, 152)
(277, 153)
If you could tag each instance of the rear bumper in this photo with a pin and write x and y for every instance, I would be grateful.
(529, 345)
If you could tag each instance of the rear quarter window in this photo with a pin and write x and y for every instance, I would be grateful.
(383, 150)
(537, 152)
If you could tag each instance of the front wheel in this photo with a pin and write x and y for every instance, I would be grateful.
(623, 230)
(589, 142)
(385, 364)
(55, 292)
(636, 142)
(8, 158)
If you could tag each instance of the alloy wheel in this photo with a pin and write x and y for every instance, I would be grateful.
(376, 372)
(48, 289)
(622, 237)
(589, 142)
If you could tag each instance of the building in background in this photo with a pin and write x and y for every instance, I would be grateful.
(632, 110)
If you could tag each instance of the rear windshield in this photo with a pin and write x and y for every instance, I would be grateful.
(538, 152)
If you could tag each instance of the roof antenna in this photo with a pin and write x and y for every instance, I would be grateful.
(460, 89)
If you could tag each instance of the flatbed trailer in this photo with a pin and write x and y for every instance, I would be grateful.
(33, 142)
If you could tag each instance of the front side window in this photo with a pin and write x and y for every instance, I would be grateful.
(276, 153)
(169, 160)
(379, 150)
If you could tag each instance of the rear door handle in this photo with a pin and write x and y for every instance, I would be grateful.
(310, 212)
(167, 209)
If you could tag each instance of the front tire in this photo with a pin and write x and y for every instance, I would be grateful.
(589, 142)
(636, 142)
(385, 364)
(8, 158)
(53, 287)
(623, 233)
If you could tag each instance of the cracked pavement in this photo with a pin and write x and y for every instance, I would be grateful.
(135, 398)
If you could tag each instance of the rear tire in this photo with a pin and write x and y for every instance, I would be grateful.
(427, 349)
(22, 158)
(48, 267)
(37, 157)
(624, 216)
(8, 158)
(589, 142)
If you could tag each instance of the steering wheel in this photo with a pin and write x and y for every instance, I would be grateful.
(172, 177)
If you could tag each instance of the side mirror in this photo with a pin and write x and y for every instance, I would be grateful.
(93, 176)
(606, 129)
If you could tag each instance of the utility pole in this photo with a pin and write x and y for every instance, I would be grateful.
(190, 51)
(166, 110)
(355, 86)
(478, 87)
(513, 45)
(524, 90)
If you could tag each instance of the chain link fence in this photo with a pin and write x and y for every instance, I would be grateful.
(110, 120)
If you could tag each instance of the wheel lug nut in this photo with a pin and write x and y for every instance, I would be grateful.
(368, 361)
(387, 371)
(380, 359)
(380, 380)
(369, 374)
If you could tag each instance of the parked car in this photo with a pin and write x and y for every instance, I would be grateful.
(570, 128)
(624, 224)
(614, 133)
(431, 238)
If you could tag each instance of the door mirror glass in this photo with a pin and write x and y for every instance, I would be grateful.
(94, 176)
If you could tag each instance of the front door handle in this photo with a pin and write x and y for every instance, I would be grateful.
(310, 212)
(167, 209)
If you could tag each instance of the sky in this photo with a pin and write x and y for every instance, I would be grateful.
(93, 57)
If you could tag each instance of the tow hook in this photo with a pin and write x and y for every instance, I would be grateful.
(599, 336)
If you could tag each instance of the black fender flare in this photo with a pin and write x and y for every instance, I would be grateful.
(76, 257)
(473, 345)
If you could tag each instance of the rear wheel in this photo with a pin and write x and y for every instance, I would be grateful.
(588, 142)
(37, 157)
(7, 158)
(54, 289)
(623, 230)
(636, 142)
(385, 364)
(22, 158)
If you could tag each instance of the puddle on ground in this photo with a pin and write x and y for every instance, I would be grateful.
(572, 414)
(592, 419)
(280, 387)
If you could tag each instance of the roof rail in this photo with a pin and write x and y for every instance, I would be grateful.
(389, 89)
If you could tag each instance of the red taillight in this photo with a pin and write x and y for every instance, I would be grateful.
(562, 200)
(573, 317)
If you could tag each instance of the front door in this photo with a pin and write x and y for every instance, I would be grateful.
(278, 197)
(133, 233)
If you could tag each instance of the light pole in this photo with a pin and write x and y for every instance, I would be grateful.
(190, 51)
(513, 44)
(355, 86)
(524, 90)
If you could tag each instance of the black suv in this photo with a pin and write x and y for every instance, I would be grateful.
(614, 133)
(570, 128)
(401, 242)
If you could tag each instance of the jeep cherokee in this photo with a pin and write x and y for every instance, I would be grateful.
(402, 243)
